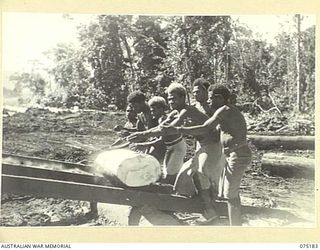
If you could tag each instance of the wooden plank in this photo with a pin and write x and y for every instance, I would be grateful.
(17, 170)
(41, 188)
(40, 162)
(285, 142)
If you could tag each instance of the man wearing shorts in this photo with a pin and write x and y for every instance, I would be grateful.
(234, 140)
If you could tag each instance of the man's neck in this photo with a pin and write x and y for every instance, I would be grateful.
(134, 121)
(203, 103)
(145, 108)
(182, 107)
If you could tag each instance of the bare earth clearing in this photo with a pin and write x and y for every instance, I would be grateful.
(76, 137)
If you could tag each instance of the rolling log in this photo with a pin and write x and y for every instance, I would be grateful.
(288, 166)
(130, 168)
(284, 142)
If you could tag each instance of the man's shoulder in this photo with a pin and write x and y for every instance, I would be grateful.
(222, 111)
(227, 110)
(192, 108)
(190, 111)
(223, 108)
(195, 114)
(194, 104)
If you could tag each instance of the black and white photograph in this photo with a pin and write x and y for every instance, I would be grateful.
(127, 120)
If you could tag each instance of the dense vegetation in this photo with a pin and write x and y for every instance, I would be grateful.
(121, 53)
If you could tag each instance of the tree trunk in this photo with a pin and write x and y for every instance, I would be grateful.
(288, 166)
(187, 57)
(298, 66)
(284, 142)
(133, 75)
(226, 67)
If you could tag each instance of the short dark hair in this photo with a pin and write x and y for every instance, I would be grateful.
(201, 82)
(158, 101)
(220, 89)
(177, 88)
(136, 96)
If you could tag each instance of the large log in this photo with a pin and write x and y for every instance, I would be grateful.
(130, 168)
(288, 166)
(284, 142)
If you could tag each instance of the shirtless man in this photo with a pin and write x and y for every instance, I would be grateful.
(234, 140)
(138, 101)
(158, 106)
(173, 143)
(200, 93)
(206, 171)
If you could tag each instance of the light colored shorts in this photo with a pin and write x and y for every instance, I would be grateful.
(174, 157)
(233, 172)
(207, 163)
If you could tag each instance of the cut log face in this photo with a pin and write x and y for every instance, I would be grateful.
(131, 168)
(284, 142)
(288, 166)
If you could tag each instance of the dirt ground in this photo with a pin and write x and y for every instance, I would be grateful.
(76, 136)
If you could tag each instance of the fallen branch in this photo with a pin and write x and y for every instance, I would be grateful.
(282, 128)
(268, 110)
(274, 104)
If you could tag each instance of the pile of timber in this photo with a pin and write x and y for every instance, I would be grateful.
(288, 166)
(283, 142)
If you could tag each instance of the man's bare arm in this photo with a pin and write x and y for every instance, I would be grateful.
(205, 128)
(153, 132)
(143, 135)
(149, 143)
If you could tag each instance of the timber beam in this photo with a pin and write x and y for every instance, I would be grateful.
(41, 188)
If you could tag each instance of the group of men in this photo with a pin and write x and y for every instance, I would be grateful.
(221, 155)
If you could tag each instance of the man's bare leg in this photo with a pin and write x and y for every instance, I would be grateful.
(234, 211)
(134, 216)
(210, 211)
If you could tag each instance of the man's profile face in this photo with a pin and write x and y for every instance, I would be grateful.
(130, 113)
(175, 100)
(200, 94)
(156, 111)
(215, 101)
